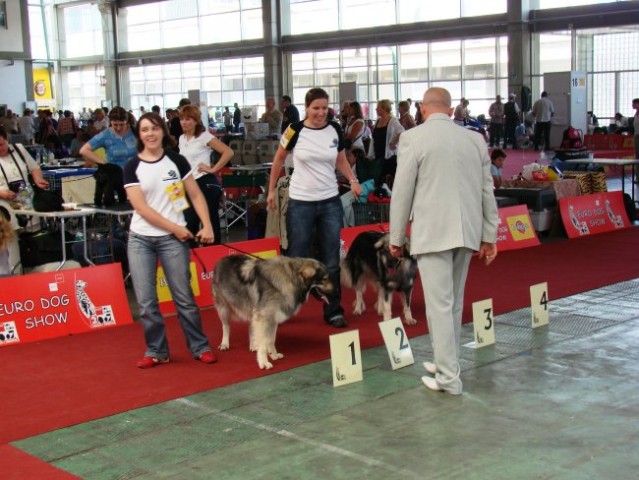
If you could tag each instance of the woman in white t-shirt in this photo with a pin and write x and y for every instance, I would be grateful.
(157, 183)
(314, 204)
(196, 145)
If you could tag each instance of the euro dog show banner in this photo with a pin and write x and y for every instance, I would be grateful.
(591, 214)
(40, 306)
(515, 229)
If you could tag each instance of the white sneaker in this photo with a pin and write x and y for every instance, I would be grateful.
(430, 367)
(431, 383)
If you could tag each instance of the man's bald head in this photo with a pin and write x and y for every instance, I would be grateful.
(436, 100)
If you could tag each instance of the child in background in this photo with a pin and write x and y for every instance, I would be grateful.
(497, 158)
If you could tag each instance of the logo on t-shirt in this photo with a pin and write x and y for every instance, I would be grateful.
(335, 142)
(171, 176)
(286, 137)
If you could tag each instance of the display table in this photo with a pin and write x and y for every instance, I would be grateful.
(562, 188)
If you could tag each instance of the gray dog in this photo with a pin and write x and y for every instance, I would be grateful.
(265, 293)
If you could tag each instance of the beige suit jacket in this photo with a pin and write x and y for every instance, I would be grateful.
(443, 180)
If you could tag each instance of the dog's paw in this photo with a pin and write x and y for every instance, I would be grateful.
(265, 365)
(410, 321)
(253, 348)
(276, 355)
(223, 346)
(358, 310)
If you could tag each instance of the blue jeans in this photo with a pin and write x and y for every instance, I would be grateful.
(144, 252)
(325, 219)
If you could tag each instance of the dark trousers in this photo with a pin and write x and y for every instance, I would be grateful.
(542, 129)
(511, 138)
(212, 193)
(496, 132)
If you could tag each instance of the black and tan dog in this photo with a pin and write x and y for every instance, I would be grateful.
(265, 293)
(369, 261)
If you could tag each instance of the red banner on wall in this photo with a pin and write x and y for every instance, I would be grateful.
(54, 304)
(591, 214)
(515, 229)
(203, 261)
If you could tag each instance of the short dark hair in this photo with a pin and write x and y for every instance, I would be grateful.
(287, 98)
(544, 94)
(315, 94)
(118, 114)
(497, 153)
(3, 133)
(635, 100)
(167, 140)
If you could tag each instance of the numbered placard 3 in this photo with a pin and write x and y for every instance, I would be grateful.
(396, 342)
(483, 323)
(346, 358)
(539, 304)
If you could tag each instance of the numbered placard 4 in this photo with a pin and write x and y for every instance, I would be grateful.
(483, 323)
(346, 358)
(539, 304)
(396, 342)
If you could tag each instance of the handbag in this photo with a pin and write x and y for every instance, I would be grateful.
(44, 246)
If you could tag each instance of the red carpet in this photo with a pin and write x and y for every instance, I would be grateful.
(66, 381)
(17, 465)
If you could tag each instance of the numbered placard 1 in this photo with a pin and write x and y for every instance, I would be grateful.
(483, 323)
(539, 304)
(346, 358)
(396, 341)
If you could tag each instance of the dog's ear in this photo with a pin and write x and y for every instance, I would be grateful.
(308, 271)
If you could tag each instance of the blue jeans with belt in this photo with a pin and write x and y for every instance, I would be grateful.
(325, 218)
(144, 252)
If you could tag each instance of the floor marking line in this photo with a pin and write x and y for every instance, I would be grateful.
(293, 436)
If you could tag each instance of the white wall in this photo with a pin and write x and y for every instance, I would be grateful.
(13, 82)
(11, 38)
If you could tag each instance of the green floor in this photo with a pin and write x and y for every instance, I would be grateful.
(559, 402)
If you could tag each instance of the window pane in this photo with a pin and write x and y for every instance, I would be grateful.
(628, 88)
(179, 33)
(83, 31)
(177, 9)
(603, 88)
(414, 62)
(313, 16)
(380, 12)
(411, 11)
(479, 58)
(252, 26)
(555, 52)
(301, 61)
(616, 51)
(569, 3)
(140, 37)
(354, 57)
(218, 6)
(446, 58)
(473, 8)
(303, 78)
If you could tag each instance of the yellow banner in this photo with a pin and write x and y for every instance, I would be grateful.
(42, 84)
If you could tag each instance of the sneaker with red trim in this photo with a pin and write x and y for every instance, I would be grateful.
(207, 357)
(150, 362)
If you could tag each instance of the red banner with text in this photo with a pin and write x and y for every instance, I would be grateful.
(40, 306)
(591, 214)
(515, 229)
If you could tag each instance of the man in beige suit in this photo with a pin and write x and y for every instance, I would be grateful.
(447, 189)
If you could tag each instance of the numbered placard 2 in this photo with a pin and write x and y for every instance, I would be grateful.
(396, 342)
(539, 304)
(346, 358)
(483, 323)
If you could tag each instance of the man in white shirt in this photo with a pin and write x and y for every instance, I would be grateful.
(543, 110)
(26, 125)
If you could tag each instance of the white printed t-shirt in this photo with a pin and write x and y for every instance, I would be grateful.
(154, 178)
(314, 153)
